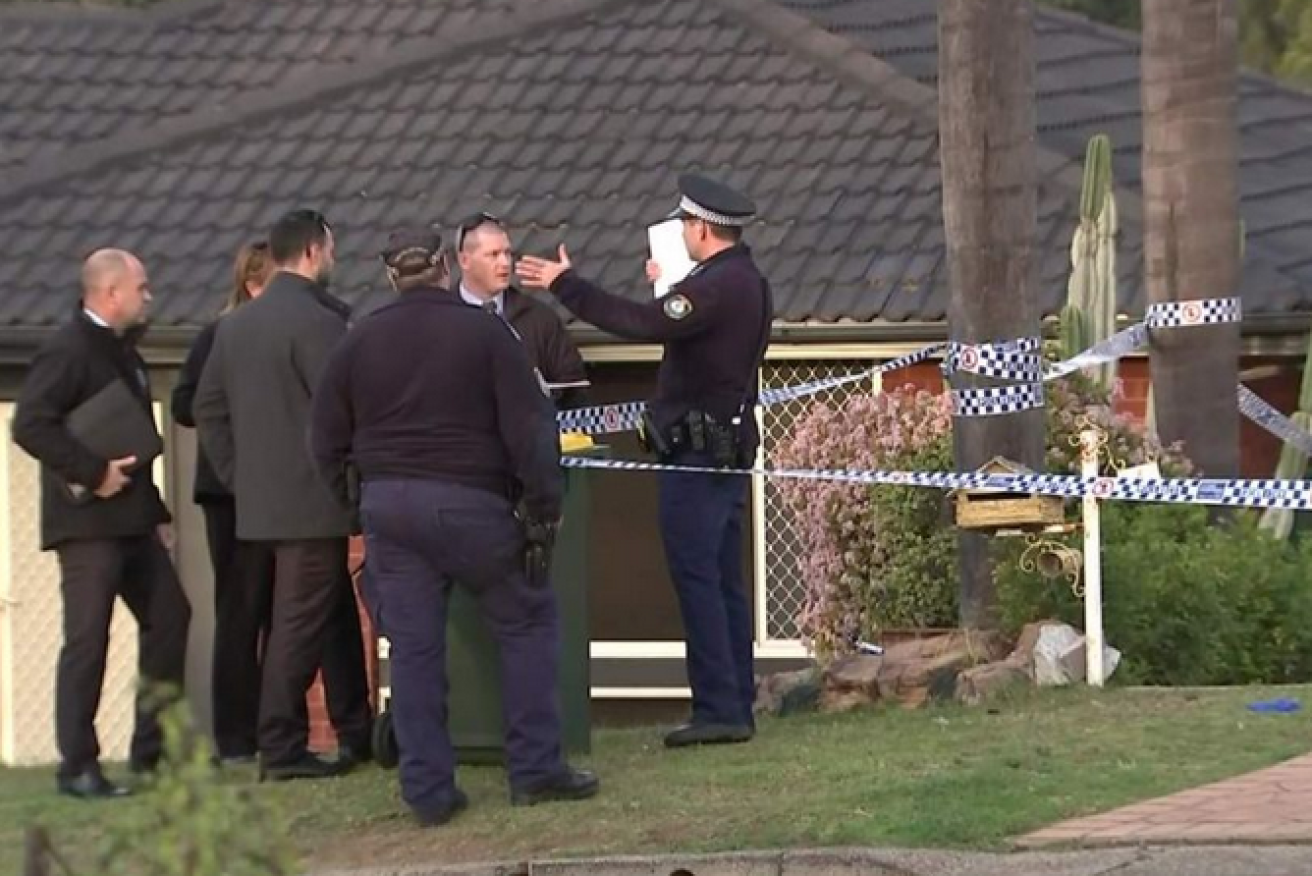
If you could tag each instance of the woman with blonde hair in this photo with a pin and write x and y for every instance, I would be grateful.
(241, 570)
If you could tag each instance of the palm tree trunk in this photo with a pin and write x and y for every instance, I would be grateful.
(1191, 247)
(987, 151)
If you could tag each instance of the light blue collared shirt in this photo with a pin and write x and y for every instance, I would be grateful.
(470, 298)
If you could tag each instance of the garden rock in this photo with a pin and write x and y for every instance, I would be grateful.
(910, 673)
(1059, 656)
(788, 693)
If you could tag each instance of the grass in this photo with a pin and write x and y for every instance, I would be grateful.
(943, 777)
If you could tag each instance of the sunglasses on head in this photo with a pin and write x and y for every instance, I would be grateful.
(473, 223)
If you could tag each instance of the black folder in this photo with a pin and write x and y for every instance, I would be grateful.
(112, 424)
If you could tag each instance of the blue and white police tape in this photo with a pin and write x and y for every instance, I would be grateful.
(607, 419)
(1255, 408)
(1237, 493)
(1018, 360)
(790, 393)
(1205, 311)
(610, 419)
(1118, 346)
(988, 401)
(602, 420)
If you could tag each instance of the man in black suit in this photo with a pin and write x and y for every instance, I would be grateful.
(484, 251)
(252, 413)
(114, 544)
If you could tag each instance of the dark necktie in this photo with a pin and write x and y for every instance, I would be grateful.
(491, 307)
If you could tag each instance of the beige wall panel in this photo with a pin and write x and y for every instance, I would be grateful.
(31, 617)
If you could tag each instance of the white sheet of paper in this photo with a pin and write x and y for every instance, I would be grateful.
(668, 251)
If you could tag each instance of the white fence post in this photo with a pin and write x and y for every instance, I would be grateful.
(1093, 647)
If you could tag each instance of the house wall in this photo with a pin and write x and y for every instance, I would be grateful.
(31, 629)
(631, 602)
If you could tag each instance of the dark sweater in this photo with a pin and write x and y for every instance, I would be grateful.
(78, 361)
(548, 344)
(428, 387)
(207, 487)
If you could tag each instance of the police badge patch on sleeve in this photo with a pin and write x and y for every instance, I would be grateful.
(677, 307)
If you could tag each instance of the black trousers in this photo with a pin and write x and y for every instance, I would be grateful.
(243, 591)
(314, 621)
(244, 574)
(93, 573)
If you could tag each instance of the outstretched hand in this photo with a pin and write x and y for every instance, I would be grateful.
(537, 273)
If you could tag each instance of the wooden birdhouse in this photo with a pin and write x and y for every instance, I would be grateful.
(990, 509)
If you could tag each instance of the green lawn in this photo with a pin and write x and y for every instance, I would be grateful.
(946, 777)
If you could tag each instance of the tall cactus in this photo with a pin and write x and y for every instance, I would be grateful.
(1090, 312)
(1293, 462)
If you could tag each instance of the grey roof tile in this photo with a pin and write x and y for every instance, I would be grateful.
(577, 133)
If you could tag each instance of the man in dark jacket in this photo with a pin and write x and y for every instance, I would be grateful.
(435, 404)
(484, 251)
(114, 544)
(252, 412)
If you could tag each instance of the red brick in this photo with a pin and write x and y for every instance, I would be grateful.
(924, 375)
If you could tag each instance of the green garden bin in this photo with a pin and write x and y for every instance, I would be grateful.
(473, 666)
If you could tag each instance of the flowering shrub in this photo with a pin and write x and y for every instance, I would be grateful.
(881, 557)
(847, 554)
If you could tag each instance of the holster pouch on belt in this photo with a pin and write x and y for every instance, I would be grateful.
(539, 540)
(721, 441)
(651, 437)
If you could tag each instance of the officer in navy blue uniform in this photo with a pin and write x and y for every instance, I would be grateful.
(715, 325)
(435, 406)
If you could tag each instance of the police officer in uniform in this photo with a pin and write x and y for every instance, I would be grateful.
(435, 405)
(715, 326)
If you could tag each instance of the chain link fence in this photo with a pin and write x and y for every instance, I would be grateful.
(785, 588)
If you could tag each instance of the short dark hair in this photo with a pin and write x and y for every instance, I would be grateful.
(295, 233)
(472, 224)
(730, 233)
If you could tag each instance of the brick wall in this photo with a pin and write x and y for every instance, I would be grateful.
(322, 737)
(1259, 449)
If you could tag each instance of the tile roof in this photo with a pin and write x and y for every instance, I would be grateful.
(1087, 80)
(71, 75)
(570, 117)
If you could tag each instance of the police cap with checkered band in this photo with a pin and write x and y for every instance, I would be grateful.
(703, 198)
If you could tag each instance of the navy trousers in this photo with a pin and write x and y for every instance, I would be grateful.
(421, 536)
(701, 519)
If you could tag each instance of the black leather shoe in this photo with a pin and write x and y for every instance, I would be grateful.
(707, 734)
(308, 766)
(442, 814)
(571, 784)
(91, 785)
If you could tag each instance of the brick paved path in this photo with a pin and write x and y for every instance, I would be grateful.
(1273, 805)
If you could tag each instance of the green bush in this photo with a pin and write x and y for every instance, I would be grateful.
(1184, 601)
(192, 823)
(907, 577)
